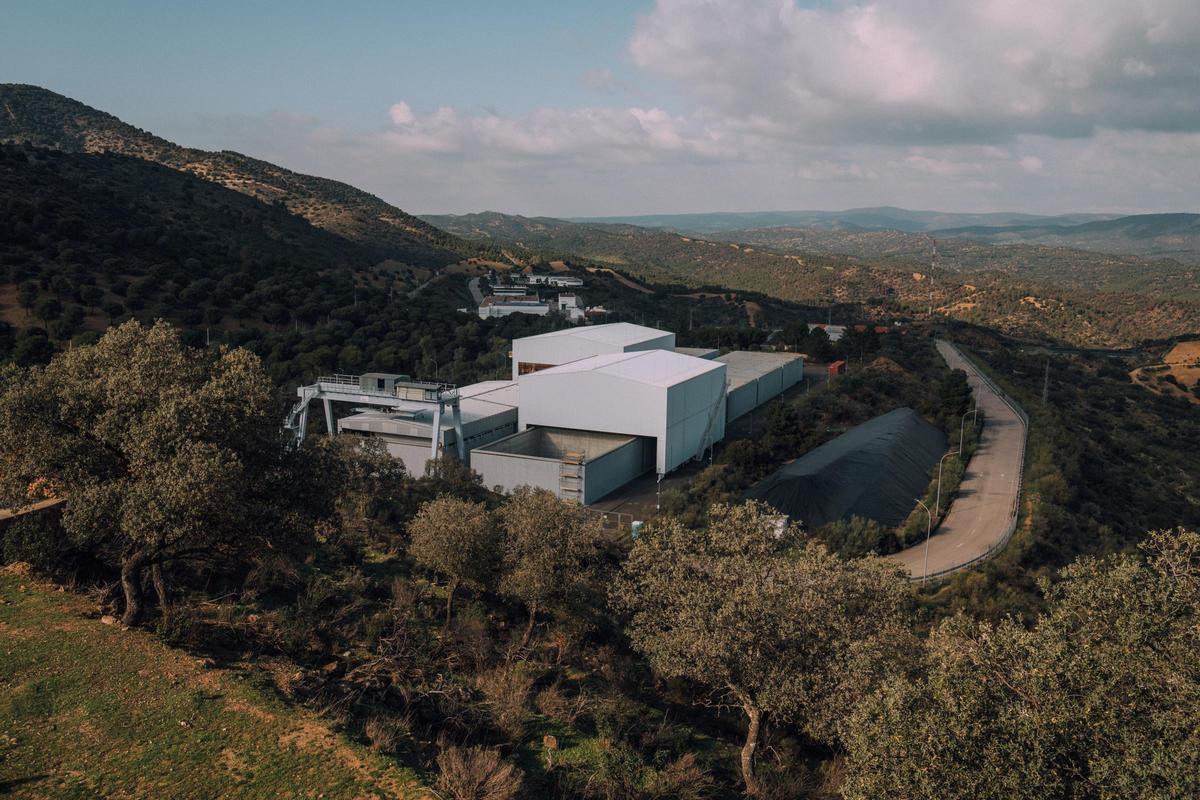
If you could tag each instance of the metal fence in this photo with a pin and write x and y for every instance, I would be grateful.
(1011, 527)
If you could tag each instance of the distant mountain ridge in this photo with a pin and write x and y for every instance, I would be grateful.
(1157, 235)
(873, 218)
(47, 119)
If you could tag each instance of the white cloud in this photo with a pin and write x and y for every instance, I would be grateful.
(1037, 105)
(933, 70)
(401, 114)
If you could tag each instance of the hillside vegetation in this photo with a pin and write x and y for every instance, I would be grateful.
(39, 116)
(1066, 267)
(1084, 313)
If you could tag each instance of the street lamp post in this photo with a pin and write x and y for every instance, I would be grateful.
(937, 505)
(928, 533)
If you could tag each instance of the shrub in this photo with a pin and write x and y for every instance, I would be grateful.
(386, 734)
(476, 773)
(507, 691)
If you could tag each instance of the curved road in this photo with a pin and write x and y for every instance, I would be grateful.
(979, 517)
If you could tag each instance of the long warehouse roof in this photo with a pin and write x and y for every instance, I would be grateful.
(744, 366)
(652, 367)
(618, 334)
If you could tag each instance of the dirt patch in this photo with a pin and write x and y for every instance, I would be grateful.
(242, 707)
(14, 632)
(1177, 375)
(316, 738)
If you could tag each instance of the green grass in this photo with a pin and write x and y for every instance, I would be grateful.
(88, 710)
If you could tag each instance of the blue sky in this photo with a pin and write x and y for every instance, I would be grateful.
(581, 108)
(160, 62)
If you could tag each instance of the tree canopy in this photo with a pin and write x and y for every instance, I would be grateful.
(772, 623)
(164, 454)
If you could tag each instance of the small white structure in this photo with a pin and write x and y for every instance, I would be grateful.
(756, 378)
(677, 400)
(493, 306)
(565, 281)
(835, 332)
(533, 353)
(488, 412)
(570, 307)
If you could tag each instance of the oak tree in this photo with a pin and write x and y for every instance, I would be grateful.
(457, 539)
(165, 455)
(553, 556)
(772, 623)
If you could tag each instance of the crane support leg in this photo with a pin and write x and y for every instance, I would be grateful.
(435, 439)
(456, 415)
(329, 417)
(303, 423)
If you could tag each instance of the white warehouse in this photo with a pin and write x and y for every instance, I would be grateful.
(533, 353)
(677, 400)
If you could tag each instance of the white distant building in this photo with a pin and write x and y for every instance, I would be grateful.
(564, 281)
(493, 306)
(569, 306)
(533, 353)
(834, 332)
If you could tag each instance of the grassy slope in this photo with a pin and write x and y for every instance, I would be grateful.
(88, 710)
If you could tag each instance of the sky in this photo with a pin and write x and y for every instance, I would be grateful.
(573, 108)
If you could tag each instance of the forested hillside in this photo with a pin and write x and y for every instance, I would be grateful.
(95, 239)
(1065, 267)
(1082, 311)
(39, 116)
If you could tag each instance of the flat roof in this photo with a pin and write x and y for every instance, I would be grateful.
(556, 443)
(621, 334)
(744, 366)
(698, 352)
(653, 367)
(503, 393)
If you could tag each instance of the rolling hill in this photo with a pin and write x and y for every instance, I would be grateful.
(877, 218)
(1068, 267)
(1174, 236)
(1082, 311)
(44, 118)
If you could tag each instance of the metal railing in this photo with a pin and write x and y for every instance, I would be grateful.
(1011, 527)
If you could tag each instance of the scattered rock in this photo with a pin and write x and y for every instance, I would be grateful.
(108, 619)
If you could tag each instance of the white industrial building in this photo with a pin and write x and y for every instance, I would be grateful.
(756, 378)
(533, 353)
(677, 400)
(494, 306)
(588, 410)
(488, 412)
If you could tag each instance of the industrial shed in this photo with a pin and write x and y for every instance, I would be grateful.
(488, 409)
(677, 400)
(756, 378)
(873, 470)
(575, 465)
(533, 353)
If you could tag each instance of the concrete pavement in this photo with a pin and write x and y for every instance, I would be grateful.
(980, 517)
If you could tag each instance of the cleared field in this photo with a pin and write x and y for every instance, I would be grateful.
(1178, 375)
(90, 710)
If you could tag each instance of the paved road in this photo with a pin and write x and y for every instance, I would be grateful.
(979, 517)
(477, 295)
